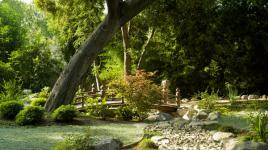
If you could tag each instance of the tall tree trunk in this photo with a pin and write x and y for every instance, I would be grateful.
(96, 74)
(127, 58)
(150, 34)
(64, 89)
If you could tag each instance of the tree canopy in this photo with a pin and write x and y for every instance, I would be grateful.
(196, 44)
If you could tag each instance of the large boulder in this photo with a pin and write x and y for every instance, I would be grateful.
(214, 116)
(252, 96)
(109, 144)
(189, 114)
(161, 116)
(244, 97)
(263, 97)
(249, 145)
(201, 115)
(182, 111)
(219, 136)
(185, 100)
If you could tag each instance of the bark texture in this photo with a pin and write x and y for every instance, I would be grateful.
(150, 35)
(126, 46)
(118, 14)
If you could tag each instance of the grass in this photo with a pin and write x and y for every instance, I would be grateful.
(46, 137)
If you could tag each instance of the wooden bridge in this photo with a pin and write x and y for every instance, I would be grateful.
(170, 102)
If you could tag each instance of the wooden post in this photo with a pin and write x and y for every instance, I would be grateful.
(122, 100)
(178, 97)
(93, 90)
(83, 102)
(164, 85)
(102, 91)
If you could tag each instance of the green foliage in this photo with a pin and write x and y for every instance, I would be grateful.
(77, 142)
(30, 115)
(125, 113)
(139, 91)
(44, 93)
(9, 109)
(147, 144)
(11, 30)
(258, 122)
(65, 113)
(6, 72)
(35, 67)
(74, 21)
(149, 134)
(12, 91)
(97, 107)
(232, 92)
(41, 101)
(208, 101)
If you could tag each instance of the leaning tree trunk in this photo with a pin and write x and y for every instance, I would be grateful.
(150, 34)
(119, 12)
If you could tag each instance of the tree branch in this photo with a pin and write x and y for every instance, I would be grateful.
(113, 9)
(130, 8)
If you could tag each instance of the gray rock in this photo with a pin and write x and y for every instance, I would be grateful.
(248, 145)
(189, 114)
(218, 136)
(178, 123)
(201, 115)
(214, 115)
(160, 140)
(161, 116)
(185, 100)
(109, 144)
(263, 97)
(253, 97)
(182, 111)
(244, 97)
(152, 118)
(203, 123)
(165, 116)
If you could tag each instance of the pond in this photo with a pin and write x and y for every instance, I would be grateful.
(46, 137)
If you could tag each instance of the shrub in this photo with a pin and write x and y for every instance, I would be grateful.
(139, 91)
(147, 144)
(125, 113)
(232, 92)
(72, 142)
(30, 115)
(39, 102)
(79, 142)
(64, 113)
(44, 93)
(258, 123)
(10, 109)
(6, 73)
(99, 110)
(208, 101)
(11, 91)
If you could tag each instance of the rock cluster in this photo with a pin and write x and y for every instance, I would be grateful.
(197, 114)
(158, 116)
(253, 97)
(177, 134)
